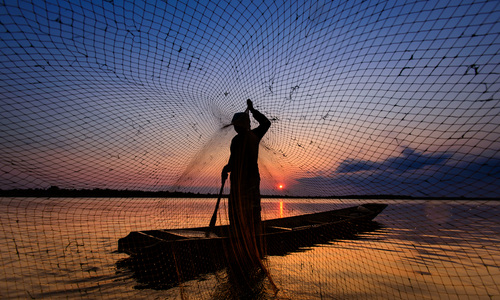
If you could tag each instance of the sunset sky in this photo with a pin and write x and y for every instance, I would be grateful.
(365, 97)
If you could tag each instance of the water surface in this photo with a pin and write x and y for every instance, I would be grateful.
(66, 248)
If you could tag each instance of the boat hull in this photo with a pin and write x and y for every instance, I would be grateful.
(163, 258)
(333, 224)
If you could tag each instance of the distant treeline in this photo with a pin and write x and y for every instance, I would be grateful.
(98, 193)
(55, 191)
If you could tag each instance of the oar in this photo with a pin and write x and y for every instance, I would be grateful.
(214, 216)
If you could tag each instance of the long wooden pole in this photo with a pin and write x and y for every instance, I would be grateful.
(214, 216)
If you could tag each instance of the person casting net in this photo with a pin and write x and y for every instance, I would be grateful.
(244, 197)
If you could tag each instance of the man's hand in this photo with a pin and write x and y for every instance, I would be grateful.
(224, 174)
(250, 105)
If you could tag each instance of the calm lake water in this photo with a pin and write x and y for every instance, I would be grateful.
(62, 248)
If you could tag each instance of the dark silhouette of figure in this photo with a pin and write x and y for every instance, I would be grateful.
(244, 198)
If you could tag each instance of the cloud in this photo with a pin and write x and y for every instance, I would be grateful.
(409, 160)
(428, 175)
(355, 165)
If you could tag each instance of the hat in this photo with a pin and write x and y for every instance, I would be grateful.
(241, 119)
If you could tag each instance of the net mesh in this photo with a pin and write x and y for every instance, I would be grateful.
(367, 99)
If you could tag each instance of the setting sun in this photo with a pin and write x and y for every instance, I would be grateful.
(280, 186)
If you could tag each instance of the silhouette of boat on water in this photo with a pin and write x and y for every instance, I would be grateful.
(161, 259)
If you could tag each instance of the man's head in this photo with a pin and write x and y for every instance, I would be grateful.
(241, 122)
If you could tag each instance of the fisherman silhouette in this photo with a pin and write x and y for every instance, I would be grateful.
(244, 197)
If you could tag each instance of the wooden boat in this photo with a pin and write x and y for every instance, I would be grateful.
(275, 231)
(163, 258)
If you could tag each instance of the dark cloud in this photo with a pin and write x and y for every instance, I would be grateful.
(429, 175)
(356, 165)
(409, 160)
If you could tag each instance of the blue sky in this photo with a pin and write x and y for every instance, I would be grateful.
(366, 97)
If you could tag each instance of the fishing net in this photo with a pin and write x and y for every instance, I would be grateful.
(113, 119)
